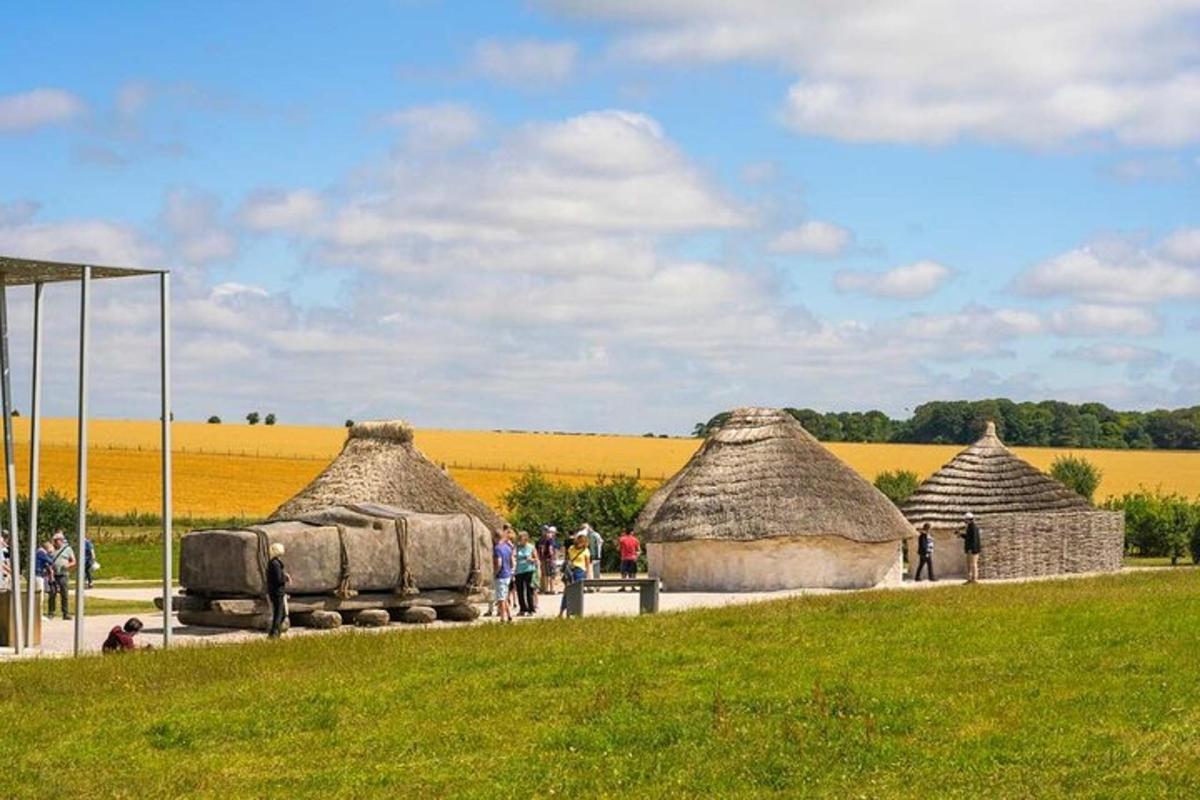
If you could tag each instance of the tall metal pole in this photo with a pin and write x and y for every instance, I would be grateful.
(14, 550)
(164, 300)
(85, 287)
(35, 451)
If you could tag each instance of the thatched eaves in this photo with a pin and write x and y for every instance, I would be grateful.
(763, 476)
(987, 478)
(380, 464)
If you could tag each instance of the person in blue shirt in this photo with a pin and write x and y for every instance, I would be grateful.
(89, 561)
(43, 569)
(502, 569)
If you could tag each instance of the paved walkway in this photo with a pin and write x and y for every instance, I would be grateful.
(58, 635)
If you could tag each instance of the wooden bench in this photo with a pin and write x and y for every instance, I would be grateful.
(647, 593)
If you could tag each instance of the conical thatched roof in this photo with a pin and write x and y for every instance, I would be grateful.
(761, 476)
(987, 478)
(380, 464)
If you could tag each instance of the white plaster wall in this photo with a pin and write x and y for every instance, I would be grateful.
(949, 558)
(780, 563)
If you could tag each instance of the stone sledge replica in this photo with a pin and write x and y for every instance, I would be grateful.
(342, 560)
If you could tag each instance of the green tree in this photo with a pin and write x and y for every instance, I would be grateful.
(349, 423)
(1078, 474)
(214, 420)
(252, 418)
(270, 419)
(897, 485)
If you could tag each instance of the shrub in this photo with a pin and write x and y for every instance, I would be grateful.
(1158, 524)
(252, 418)
(270, 419)
(1078, 474)
(55, 511)
(610, 504)
(214, 420)
(897, 485)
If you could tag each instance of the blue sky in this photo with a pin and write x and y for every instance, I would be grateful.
(545, 215)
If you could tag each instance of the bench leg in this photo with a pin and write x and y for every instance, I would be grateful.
(573, 597)
(648, 598)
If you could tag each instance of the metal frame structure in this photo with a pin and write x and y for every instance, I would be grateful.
(26, 272)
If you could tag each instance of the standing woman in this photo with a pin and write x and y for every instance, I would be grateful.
(576, 567)
(527, 570)
(277, 581)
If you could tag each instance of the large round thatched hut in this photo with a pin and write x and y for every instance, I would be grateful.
(1029, 523)
(380, 464)
(762, 505)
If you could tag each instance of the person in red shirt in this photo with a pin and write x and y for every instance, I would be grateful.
(121, 638)
(629, 548)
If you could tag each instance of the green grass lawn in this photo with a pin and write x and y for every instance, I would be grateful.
(132, 560)
(1085, 688)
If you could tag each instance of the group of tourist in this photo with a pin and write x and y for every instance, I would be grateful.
(54, 561)
(523, 569)
(972, 546)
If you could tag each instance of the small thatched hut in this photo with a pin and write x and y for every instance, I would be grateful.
(761, 506)
(1029, 523)
(380, 464)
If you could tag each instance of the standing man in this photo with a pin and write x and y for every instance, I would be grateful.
(973, 546)
(502, 568)
(595, 548)
(925, 552)
(89, 561)
(277, 581)
(62, 563)
(628, 548)
(547, 550)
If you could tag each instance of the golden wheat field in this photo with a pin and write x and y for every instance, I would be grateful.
(240, 470)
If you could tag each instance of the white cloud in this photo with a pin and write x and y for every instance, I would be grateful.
(525, 63)
(813, 238)
(268, 210)
(1117, 271)
(918, 279)
(1090, 319)
(1106, 354)
(192, 219)
(973, 330)
(86, 240)
(1183, 245)
(609, 173)
(439, 126)
(36, 108)
(916, 71)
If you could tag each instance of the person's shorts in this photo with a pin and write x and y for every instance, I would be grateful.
(501, 586)
(629, 568)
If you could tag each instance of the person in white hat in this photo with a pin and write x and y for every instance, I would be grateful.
(972, 545)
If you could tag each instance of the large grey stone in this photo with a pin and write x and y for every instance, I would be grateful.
(372, 618)
(417, 615)
(458, 613)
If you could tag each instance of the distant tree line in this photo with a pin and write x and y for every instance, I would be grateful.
(1046, 424)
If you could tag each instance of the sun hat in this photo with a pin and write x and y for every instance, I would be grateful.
(276, 549)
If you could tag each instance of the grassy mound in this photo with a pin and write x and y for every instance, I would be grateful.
(1056, 689)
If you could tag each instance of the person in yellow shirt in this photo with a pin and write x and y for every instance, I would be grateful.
(577, 567)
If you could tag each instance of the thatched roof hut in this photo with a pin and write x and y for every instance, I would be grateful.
(987, 478)
(380, 464)
(763, 475)
(779, 510)
(1030, 523)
